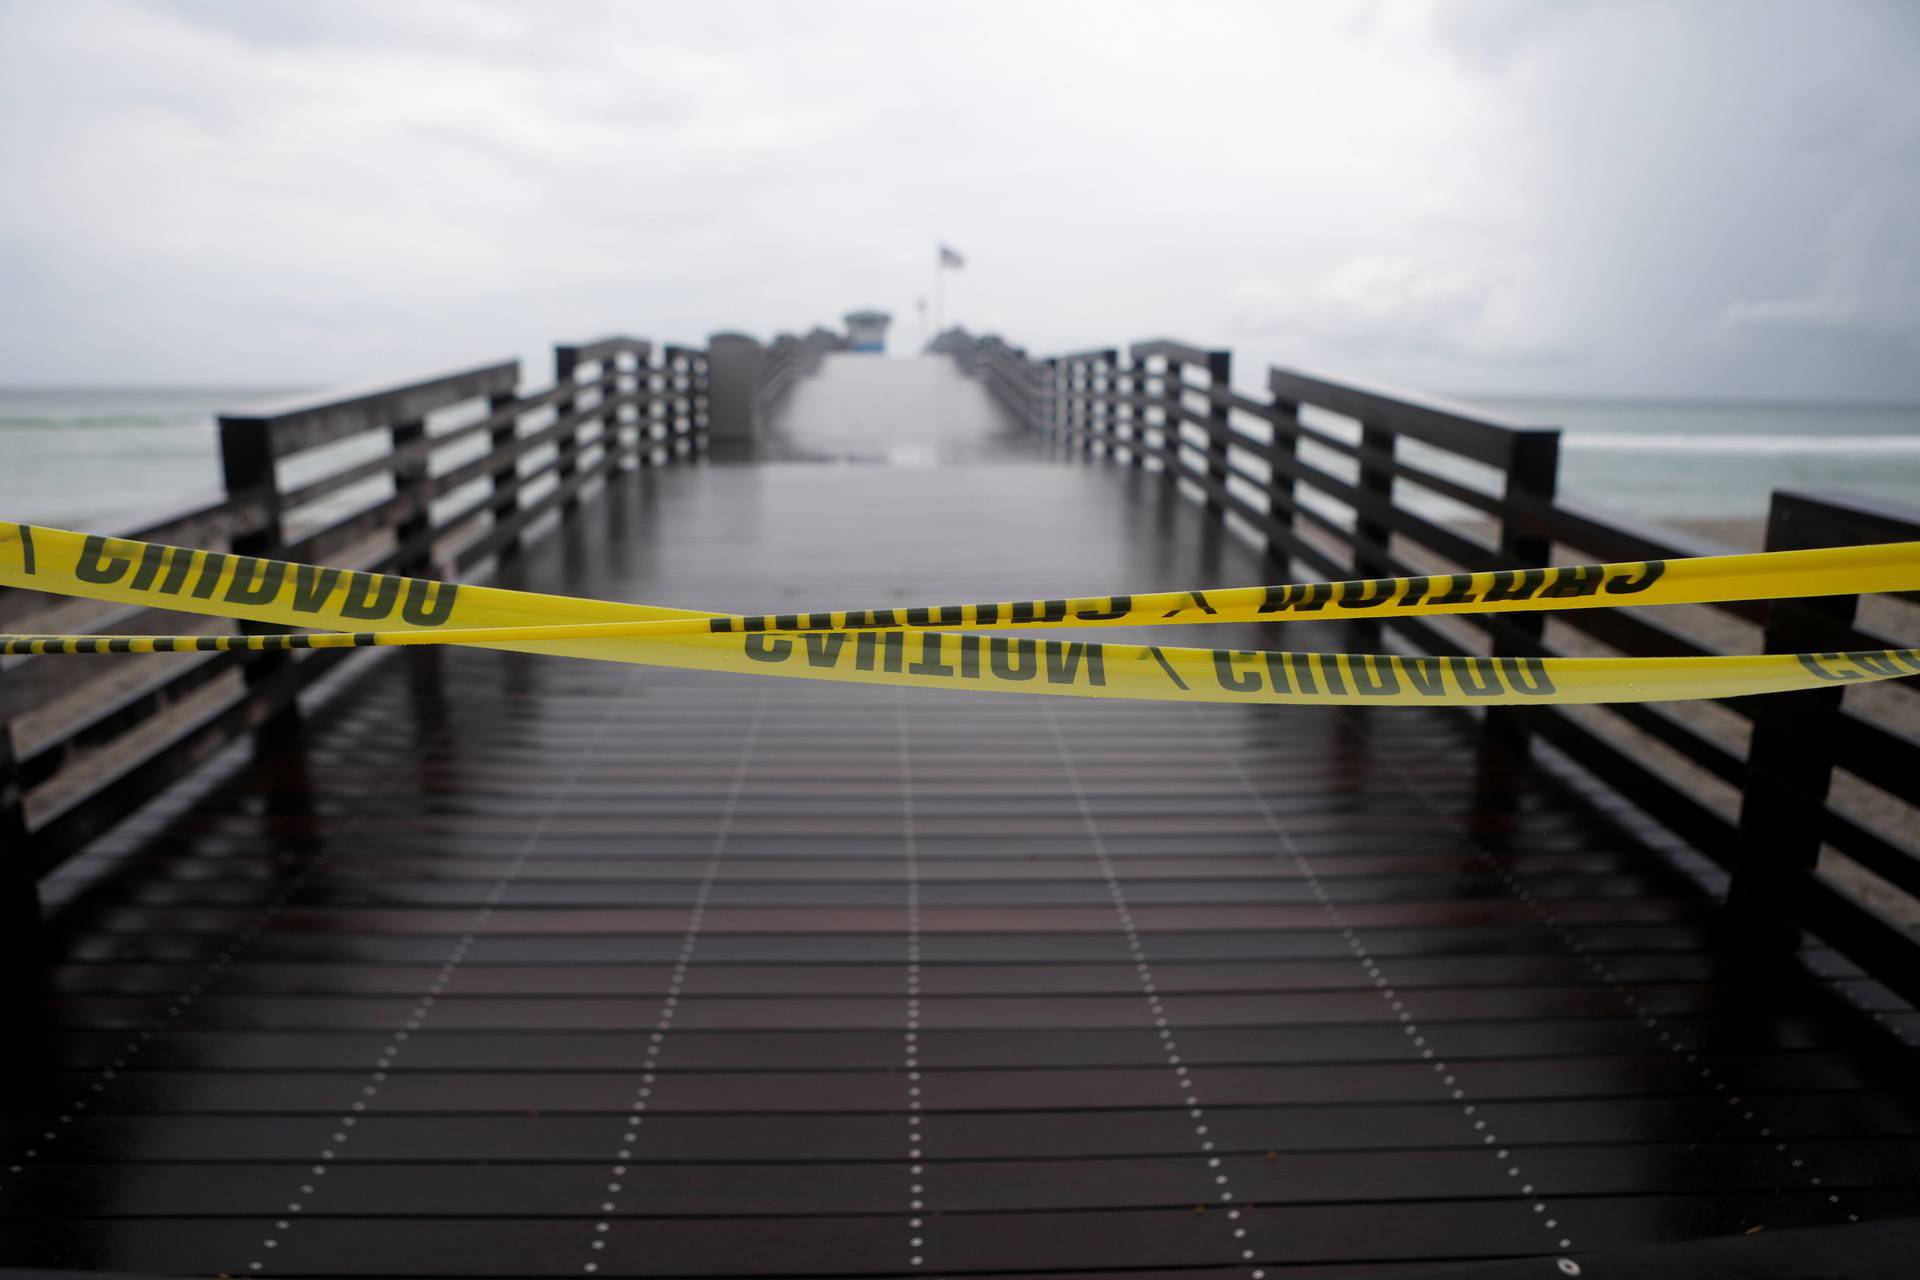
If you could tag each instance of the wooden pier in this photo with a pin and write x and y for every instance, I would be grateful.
(462, 963)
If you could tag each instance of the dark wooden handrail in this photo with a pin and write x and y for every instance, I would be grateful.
(1338, 505)
(1461, 429)
(578, 353)
(303, 422)
(83, 745)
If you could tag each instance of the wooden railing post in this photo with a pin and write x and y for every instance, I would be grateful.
(1098, 418)
(413, 535)
(505, 478)
(1138, 410)
(21, 935)
(700, 402)
(1372, 534)
(645, 397)
(687, 400)
(616, 434)
(1062, 405)
(1162, 422)
(1099, 438)
(1063, 409)
(704, 422)
(1063, 400)
(1153, 384)
(247, 465)
(1533, 476)
(1283, 495)
(1076, 398)
(566, 366)
(1079, 422)
(650, 385)
(1046, 415)
(1219, 427)
(1099, 411)
(1789, 767)
(1375, 480)
(678, 411)
(1168, 427)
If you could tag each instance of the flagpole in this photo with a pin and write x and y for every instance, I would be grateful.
(939, 279)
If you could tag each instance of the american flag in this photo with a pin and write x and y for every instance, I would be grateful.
(950, 258)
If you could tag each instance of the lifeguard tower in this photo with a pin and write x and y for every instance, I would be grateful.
(867, 330)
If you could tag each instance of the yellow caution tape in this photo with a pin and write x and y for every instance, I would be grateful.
(919, 646)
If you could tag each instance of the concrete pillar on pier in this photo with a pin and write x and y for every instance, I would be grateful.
(734, 412)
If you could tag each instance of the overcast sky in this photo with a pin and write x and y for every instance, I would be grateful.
(1619, 198)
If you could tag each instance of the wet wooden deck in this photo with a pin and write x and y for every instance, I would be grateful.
(526, 967)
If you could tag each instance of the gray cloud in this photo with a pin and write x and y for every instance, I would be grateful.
(1713, 198)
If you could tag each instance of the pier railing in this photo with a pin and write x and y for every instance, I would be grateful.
(789, 358)
(1808, 801)
(431, 477)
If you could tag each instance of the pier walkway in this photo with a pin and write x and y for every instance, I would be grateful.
(511, 966)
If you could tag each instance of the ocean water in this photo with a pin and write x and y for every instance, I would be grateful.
(109, 458)
(1711, 461)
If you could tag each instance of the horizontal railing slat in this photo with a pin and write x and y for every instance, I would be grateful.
(30, 682)
(126, 710)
